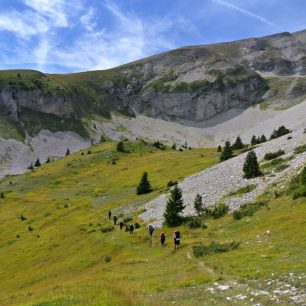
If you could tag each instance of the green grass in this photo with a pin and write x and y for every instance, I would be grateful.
(243, 190)
(66, 203)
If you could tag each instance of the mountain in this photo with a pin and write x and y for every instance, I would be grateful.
(199, 94)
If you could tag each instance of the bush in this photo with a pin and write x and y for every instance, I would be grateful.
(127, 219)
(194, 222)
(37, 163)
(2, 195)
(137, 225)
(108, 258)
(298, 185)
(247, 210)
(107, 228)
(300, 149)
(273, 155)
(171, 184)
(214, 247)
(243, 190)
(217, 211)
(158, 145)
(120, 147)
(67, 152)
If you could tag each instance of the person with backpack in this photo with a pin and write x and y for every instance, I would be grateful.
(109, 215)
(151, 230)
(162, 239)
(121, 224)
(131, 229)
(115, 220)
(177, 239)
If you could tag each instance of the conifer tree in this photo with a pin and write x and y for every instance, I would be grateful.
(219, 149)
(227, 152)
(67, 152)
(144, 185)
(2, 195)
(48, 160)
(198, 204)
(251, 166)
(120, 147)
(263, 138)
(37, 163)
(238, 143)
(254, 140)
(174, 207)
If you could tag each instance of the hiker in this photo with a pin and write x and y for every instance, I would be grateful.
(162, 239)
(115, 220)
(151, 230)
(121, 224)
(177, 239)
(131, 229)
(109, 214)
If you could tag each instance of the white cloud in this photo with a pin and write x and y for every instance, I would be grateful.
(131, 38)
(244, 11)
(88, 20)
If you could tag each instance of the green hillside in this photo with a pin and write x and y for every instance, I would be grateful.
(66, 253)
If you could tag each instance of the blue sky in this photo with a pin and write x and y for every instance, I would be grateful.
(77, 35)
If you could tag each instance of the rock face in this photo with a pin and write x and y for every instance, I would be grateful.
(187, 84)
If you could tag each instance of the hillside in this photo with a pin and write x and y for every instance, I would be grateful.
(57, 246)
(199, 93)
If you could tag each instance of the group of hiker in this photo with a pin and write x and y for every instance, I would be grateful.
(162, 236)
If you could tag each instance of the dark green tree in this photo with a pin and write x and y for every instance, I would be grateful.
(227, 152)
(238, 144)
(219, 149)
(263, 138)
(37, 163)
(48, 160)
(2, 195)
(144, 185)
(120, 147)
(251, 166)
(67, 152)
(31, 167)
(254, 140)
(198, 204)
(174, 207)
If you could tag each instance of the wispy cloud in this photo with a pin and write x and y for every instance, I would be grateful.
(244, 11)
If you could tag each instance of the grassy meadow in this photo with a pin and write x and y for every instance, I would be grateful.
(58, 255)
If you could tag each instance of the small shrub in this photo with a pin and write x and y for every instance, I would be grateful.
(67, 152)
(2, 195)
(158, 145)
(243, 190)
(23, 218)
(247, 210)
(217, 211)
(30, 228)
(300, 149)
(281, 167)
(214, 247)
(137, 225)
(120, 147)
(272, 155)
(127, 219)
(171, 184)
(194, 222)
(48, 160)
(37, 163)
(107, 228)
(88, 152)
(108, 258)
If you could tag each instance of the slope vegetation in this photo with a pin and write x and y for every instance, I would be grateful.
(58, 247)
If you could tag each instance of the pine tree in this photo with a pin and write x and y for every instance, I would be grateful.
(31, 167)
(251, 166)
(2, 195)
(174, 207)
(238, 143)
(254, 140)
(48, 160)
(144, 185)
(227, 152)
(37, 163)
(219, 149)
(198, 204)
(67, 152)
(120, 147)
(263, 138)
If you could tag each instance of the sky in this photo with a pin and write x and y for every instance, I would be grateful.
(62, 36)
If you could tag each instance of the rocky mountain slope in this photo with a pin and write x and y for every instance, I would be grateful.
(196, 91)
